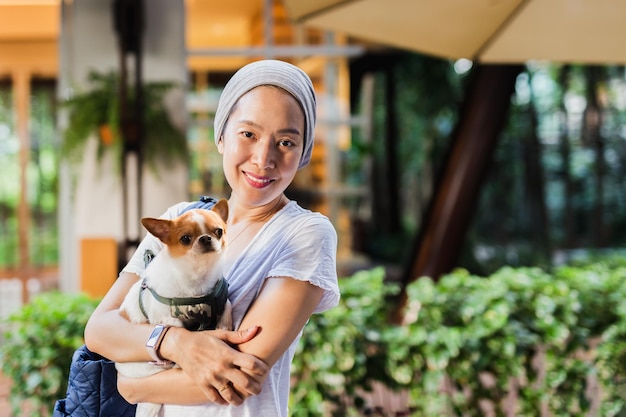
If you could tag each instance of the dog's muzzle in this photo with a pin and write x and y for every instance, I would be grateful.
(206, 244)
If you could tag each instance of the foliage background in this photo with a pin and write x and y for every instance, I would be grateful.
(37, 349)
(43, 173)
(467, 342)
(471, 343)
(556, 184)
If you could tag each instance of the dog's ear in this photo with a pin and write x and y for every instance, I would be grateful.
(221, 208)
(158, 227)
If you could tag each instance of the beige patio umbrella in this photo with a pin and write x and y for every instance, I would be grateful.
(487, 31)
(499, 34)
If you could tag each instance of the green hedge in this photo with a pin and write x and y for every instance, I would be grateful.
(467, 338)
(460, 331)
(37, 349)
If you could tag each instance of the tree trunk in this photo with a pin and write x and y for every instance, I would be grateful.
(445, 223)
(391, 222)
(592, 130)
(535, 184)
(569, 237)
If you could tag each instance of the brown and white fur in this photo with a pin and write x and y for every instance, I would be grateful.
(189, 265)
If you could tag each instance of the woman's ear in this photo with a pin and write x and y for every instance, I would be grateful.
(220, 145)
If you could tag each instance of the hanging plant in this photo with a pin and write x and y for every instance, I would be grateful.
(96, 111)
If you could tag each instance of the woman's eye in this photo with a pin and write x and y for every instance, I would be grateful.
(185, 240)
(248, 134)
(286, 143)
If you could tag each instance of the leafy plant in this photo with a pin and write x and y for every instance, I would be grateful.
(342, 351)
(468, 342)
(471, 342)
(97, 111)
(38, 346)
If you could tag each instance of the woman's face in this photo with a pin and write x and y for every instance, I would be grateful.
(262, 144)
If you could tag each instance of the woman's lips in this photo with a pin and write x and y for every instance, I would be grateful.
(257, 182)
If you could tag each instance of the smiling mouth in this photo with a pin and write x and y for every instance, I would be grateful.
(258, 182)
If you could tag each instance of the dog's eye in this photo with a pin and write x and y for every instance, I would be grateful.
(219, 233)
(185, 240)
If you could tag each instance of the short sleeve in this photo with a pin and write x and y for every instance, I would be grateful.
(309, 254)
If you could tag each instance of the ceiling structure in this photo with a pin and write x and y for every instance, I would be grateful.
(217, 24)
(29, 31)
(221, 36)
(27, 20)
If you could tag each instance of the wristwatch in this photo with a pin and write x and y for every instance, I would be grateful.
(154, 343)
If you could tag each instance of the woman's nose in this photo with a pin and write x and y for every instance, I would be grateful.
(263, 155)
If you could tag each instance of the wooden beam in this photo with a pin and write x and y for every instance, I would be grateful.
(41, 58)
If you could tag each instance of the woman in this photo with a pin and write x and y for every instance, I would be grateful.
(281, 264)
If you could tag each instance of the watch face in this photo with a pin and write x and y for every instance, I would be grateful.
(154, 337)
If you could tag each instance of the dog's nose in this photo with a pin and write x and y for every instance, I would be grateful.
(205, 240)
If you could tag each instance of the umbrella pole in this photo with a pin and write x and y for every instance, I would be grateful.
(450, 210)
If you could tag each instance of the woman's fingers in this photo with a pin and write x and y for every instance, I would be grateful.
(237, 337)
(246, 385)
(230, 395)
(213, 395)
(226, 394)
(210, 359)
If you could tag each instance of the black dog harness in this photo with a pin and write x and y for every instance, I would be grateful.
(196, 313)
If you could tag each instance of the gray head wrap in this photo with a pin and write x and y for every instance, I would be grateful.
(270, 72)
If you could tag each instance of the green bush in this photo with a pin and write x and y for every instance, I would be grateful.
(470, 341)
(342, 350)
(38, 344)
(466, 341)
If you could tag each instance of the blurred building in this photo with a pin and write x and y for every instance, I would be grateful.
(48, 48)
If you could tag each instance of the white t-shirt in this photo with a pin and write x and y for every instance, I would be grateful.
(294, 243)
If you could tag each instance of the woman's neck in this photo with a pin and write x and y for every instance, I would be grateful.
(245, 223)
(260, 214)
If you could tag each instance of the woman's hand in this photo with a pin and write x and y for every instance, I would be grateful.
(221, 372)
(157, 388)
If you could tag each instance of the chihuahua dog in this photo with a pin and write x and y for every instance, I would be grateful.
(183, 285)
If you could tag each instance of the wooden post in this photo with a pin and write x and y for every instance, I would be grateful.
(21, 103)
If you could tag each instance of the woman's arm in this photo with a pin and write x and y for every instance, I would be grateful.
(111, 335)
(158, 388)
(280, 310)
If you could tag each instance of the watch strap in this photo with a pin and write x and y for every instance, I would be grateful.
(154, 344)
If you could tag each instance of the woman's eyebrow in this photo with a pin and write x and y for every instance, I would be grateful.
(291, 130)
(249, 123)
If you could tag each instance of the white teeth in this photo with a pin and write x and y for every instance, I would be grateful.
(259, 180)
